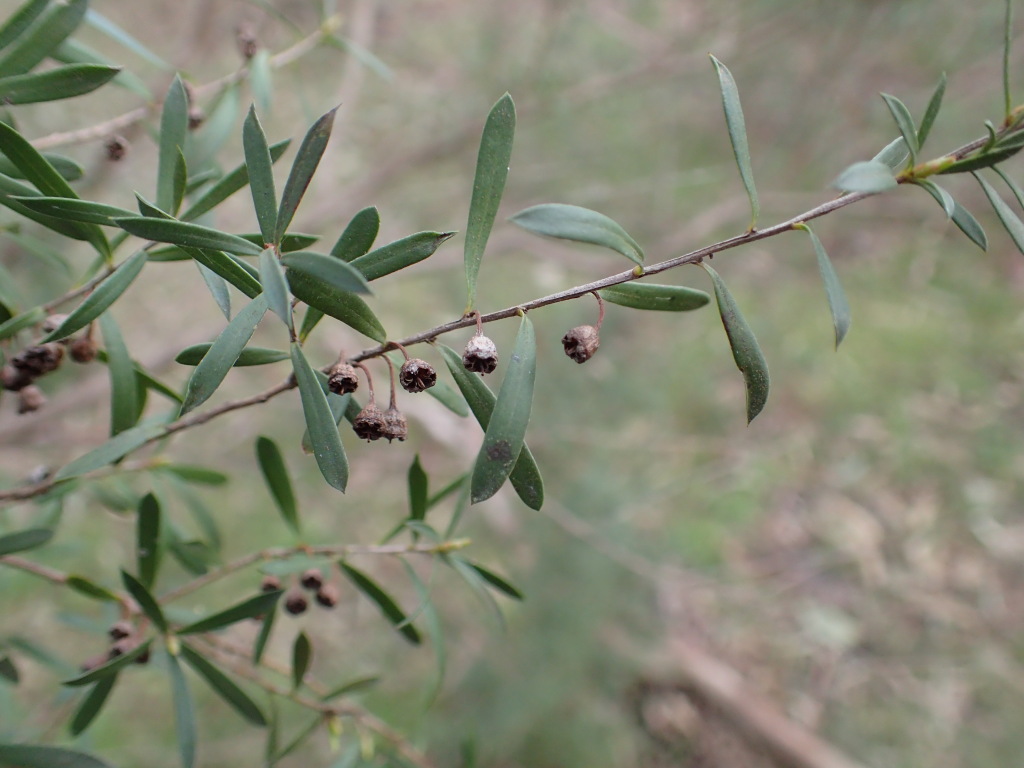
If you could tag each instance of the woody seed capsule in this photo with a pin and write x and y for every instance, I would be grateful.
(342, 379)
(327, 596)
(480, 355)
(82, 350)
(120, 630)
(395, 426)
(312, 579)
(14, 379)
(369, 424)
(295, 602)
(417, 375)
(30, 398)
(581, 343)
(40, 359)
(270, 583)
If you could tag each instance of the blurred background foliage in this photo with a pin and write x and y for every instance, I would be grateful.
(856, 552)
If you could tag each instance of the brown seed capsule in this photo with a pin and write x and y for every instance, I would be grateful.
(116, 147)
(369, 424)
(196, 117)
(96, 661)
(295, 602)
(30, 398)
(14, 379)
(417, 375)
(342, 379)
(480, 355)
(121, 647)
(312, 579)
(395, 426)
(245, 37)
(40, 359)
(328, 596)
(143, 658)
(120, 630)
(581, 343)
(270, 583)
(82, 350)
(52, 323)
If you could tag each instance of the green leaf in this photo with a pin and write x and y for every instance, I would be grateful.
(20, 20)
(985, 159)
(147, 542)
(21, 322)
(186, 234)
(231, 269)
(247, 609)
(275, 472)
(68, 169)
(358, 236)
(250, 355)
(21, 541)
(942, 197)
(173, 129)
(492, 164)
(306, 160)
(179, 181)
(40, 38)
(72, 51)
(383, 600)
(417, 490)
(399, 254)
(745, 349)
(31, 756)
(293, 241)
(184, 714)
(503, 439)
(275, 287)
(496, 581)
(98, 21)
(1014, 226)
(931, 111)
(97, 302)
(310, 321)
(894, 155)
(112, 667)
(263, 637)
(302, 655)
(352, 686)
(261, 174)
(8, 671)
(230, 183)
(54, 84)
(1018, 193)
(115, 448)
(261, 81)
(525, 476)
(216, 363)
(737, 134)
(146, 601)
(340, 406)
(84, 586)
(75, 210)
(124, 406)
(581, 225)
(10, 189)
(92, 704)
(905, 123)
(837, 302)
(224, 687)
(449, 398)
(664, 298)
(969, 225)
(218, 288)
(336, 275)
(341, 305)
(1007, 40)
(870, 176)
(323, 430)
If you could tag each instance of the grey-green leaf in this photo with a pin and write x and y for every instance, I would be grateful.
(302, 656)
(20, 20)
(400, 254)
(109, 668)
(335, 274)
(942, 197)
(1014, 226)
(40, 38)
(384, 601)
(745, 349)
(905, 123)
(32, 756)
(496, 581)
(230, 183)
(75, 210)
(124, 402)
(231, 268)
(341, 305)
(261, 175)
(223, 353)
(323, 430)
(250, 355)
(894, 155)
(306, 161)
(581, 225)
(54, 84)
(525, 476)
(145, 599)
(184, 713)
(224, 687)
(247, 609)
(418, 493)
(147, 539)
(275, 472)
(358, 236)
(837, 302)
(663, 298)
(21, 541)
(186, 234)
(503, 439)
(869, 176)
(737, 134)
(492, 164)
(263, 637)
(173, 129)
(275, 287)
(115, 448)
(92, 704)
(97, 302)
(969, 225)
(931, 111)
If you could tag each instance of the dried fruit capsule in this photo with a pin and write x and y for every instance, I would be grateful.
(52, 323)
(30, 398)
(581, 343)
(82, 350)
(14, 379)
(196, 117)
(120, 630)
(40, 359)
(121, 647)
(312, 579)
(116, 147)
(342, 379)
(369, 424)
(270, 583)
(295, 602)
(327, 595)
(395, 426)
(417, 375)
(480, 355)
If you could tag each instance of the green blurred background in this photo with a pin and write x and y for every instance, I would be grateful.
(856, 552)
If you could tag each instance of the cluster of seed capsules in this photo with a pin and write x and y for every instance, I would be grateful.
(124, 638)
(20, 373)
(325, 593)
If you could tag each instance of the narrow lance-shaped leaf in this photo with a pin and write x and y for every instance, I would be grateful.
(173, 129)
(250, 355)
(581, 225)
(247, 609)
(303, 168)
(72, 51)
(942, 197)
(418, 493)
(1009, 220)
(894, 155)
(1007, 40)
(232, 269)
(837, 302)
(42, 36)
(962, 218)
(21, 541)
(737, 134)
(323, 430)
(222, 355)
(302, 656)
(905, 124)
(276, 474)
(111, 667)
(224, 687)
(124, 405)
(147, 540)
(59, 83)
(231, 182)
(20, 20)
(869, 176)
(145, 599)
(261, 175)
(97, 302)
(497, 582)
(383, 600)
(525, 476)
(651, 296)
(184, 713)
(332, 272)
(492, 164)
(186, 234)
(92, 704)
(503, 439)
(358, 236)
(112, 450)
(341, 305)
(218, 288)
(263, 637)
(88, 588)
(62, 164)
(745, 349)
(180, 181)
(275, 287)
(400, 254)
(100, 22)
(1012, 185)
(33, 756)
(8, 671)
(21, 322)
(931, 111)
(11, 193)
(75, 210)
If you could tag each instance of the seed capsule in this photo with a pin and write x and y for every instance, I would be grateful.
(40, 359)
(116, 147)
(312, 579)
(83, 350)
(343, 379)
(295, 602)
(480, 355)
(270, 583)
(120, 630)
(395, 426)
(14, 379)
(581, 343)
(30, 398)
(417, 375)
(369, 424)
(327, 596)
